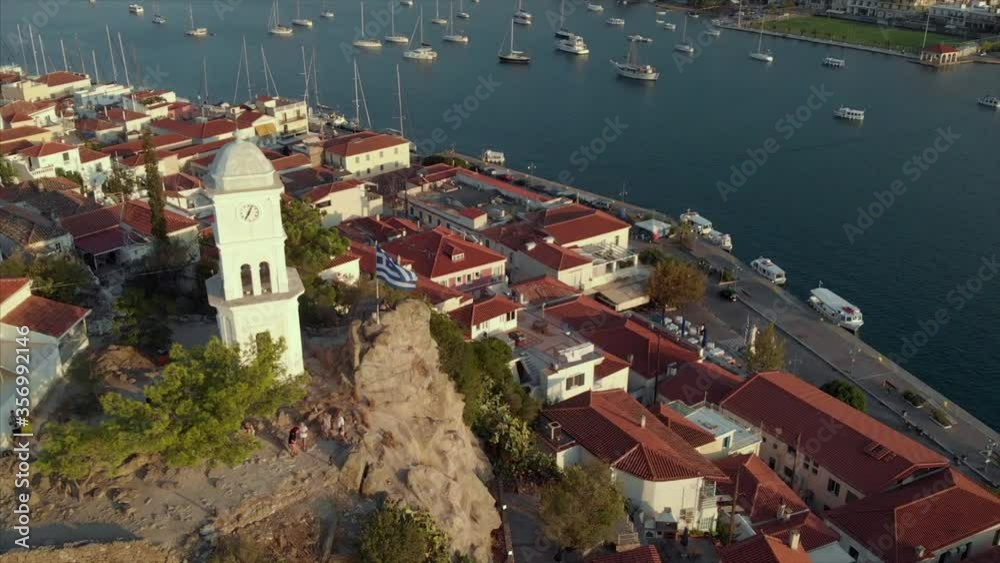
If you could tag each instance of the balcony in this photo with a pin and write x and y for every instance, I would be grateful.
(707, 497)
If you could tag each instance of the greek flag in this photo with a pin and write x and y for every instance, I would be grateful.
(392, 273)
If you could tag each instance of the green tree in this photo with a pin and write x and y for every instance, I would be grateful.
(768, 352)
(309, 247)
(686, 235)
(8, 176)
(402, 535)
(652, 256)
(120, 183)
(153, 184)
(581, 509)
(72, 175)
(60, 278)
(847, 392)
(675, 284)
(141, 319)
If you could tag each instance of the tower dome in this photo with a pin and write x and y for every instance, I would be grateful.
(241, 166)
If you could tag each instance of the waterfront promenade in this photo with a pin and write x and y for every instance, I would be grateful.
(819, 352)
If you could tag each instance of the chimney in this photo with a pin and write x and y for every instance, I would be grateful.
(793, 539)
(555, 431)
(920, 550)
(530, 245)
(631, 358)
(642, 421)
(783, 512)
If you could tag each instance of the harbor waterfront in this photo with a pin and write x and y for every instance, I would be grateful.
(698, 127)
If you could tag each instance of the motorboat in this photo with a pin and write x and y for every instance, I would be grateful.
(461, 13)
(136, 9)
(594, 7)
(834, 62)
(714, 32)
(614, 21)
(836, 309)
(640, 39)
(669, 26)
(990, 101)
(850, 114)
(573, 44)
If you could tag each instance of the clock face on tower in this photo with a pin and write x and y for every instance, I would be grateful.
(248, 212)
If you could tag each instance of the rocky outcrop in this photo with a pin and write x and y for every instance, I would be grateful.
(114, 552)
(416, 448)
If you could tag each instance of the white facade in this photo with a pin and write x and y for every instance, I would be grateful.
(254, 291)
(291, 116)
(45, 166)
(349, 203)
(87, 102)
(373, 162)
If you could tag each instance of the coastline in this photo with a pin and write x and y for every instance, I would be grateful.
(828, 42)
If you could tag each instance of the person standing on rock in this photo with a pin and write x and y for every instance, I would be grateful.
(293, 440)
(341, 426)
(303, 437)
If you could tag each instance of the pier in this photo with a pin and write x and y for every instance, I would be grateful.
(816, 350)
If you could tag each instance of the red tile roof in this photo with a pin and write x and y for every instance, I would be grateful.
(10, 286)
(941, 48)
(45, 316)
(105, 241)
(644, 554)
(402, 223)
(441, 252)
(22, 110)
(542, 289)
(180, 182)
(365, 230)
(345, 258)
(296, 181)
(866, 454)
(294, 160)
(612, 364)
(762, 549)
(572, 223)
(15, 133)
(88, 155)
(608, 424)
(171, 140)
(136, 215)
(200, 149)
(514, 235)
(121, 115)
(321, 192)
(934, 512)
(695, 382)
(12, 147)
(483, 310)
(762, 493)
(434, 292)
(363, 142)
(651, 353)
(90, 124)
(554, 257)
(510, 189)
(200, 130)
(60, 78)
(813, 532)
(46, 149)
(691, 432)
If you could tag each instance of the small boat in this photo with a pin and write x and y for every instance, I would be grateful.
(614, 21)
(275, 27)
(512, 55)
(438, 20)
(722, 240)
(453, 36)
(392, 37)
(562, 32)
(594, 7)
(136, 9)
(834, 62)
(850, 114)
(461, 13)
(770, 270)
(685, 45)
(194, 31)
(405, 2)
(989, 101)
(365, 42)
(522, 16)
(660, 22)
(299, 20)
(694, 16)
(423, 51)
(716, 22)
(157, 18)
(326, 14)
(836, 309)
(632, 69)
(640, 39)
(713, 31)
(760, 54)
(490, 156)
(669, 26)
(661, 12)
(573, 44)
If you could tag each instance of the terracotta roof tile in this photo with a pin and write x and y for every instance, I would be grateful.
(366, 230)
(25, 227)
(762, 493)
(695, 382)
(483, 310)
(321, 192)
(573, 223)
(441, 252)
(200, 130)
(286, 163)
(10, 286)
(88, 155)
(363, 142)
(612, 364)
(296, 181)
(644, 554)
(691, 432)
(543, 289)
(762, 549)
(553, 256)
(136, 215)
(121, 115)
(44, 198)
(60, 78)
(866, 454)
(46, 149)
(15, 133)
(45, 316)
(169, 140)
(813, 532)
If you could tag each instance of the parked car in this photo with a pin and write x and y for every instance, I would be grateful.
(728, 293)
(506, 178)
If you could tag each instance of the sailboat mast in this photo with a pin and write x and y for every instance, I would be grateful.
(315, 65)
(204, 77)
(306, 74)
(357, 98)
(246, 63)
(121, 47)
(399, 96)
(111, 51)
(97, 71)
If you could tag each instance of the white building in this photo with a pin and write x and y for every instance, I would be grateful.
(42, 160)
(254, 291)
(344, 200)
(491, 316)
(90, 102)
(368, 154)
(290, 116)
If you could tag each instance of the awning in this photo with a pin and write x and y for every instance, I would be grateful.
(266, 130)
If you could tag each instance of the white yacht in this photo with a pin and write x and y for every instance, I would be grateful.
(392, 37)
(669, 26)
(760, 54)
(850, 114)
(836, 309)
(834, 62)
(325, 13)
(632, 69)
(770, 270)
(299, 20)
(573, 44)
(701, 225)
(562, 32)
(405, 2)
(422, 51)
(194, 31)
(461, 13)
(522, 16)
(594, 7)
(157, 18)
(453, 36)
(661, 12)
(512, 55)
(438, 20)
(990, 101)
(713, 31)
(685, 45)
(640, 38)
(275, 27)
(614, 21)
(720, 239)
(366, 42)
(136, 9)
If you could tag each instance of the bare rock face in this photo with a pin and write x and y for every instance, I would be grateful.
(115, 552)
(416, 448)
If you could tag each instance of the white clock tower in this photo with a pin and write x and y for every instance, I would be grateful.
(254, 291)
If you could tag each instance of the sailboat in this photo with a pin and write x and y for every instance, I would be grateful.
(438, 20)
(275, 27)
(405, 2)
(326, 14)
(760, 54)
(631, 67)
(685, 45)
(365, 42)
(522, 16)
(513, 56)
(299, 20)
(392, 37)
(359, 98)
(562, 32)
(423, 51)
(591, 7)
(192, 30)
(157, 18)
(461, 13)
(452, 36)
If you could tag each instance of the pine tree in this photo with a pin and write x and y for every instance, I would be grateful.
(154, 188)
(768, 352)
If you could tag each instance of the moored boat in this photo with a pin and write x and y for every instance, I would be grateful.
(512, 55)
(836, 309)
(573, 44)
(614, 21)
(833, 62)
(594, 7)
(632, 69)
(850, 114)
(770, 270)
(989, 101)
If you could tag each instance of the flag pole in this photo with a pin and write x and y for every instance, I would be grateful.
(378, 301)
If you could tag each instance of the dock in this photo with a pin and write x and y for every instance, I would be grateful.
(820, 351)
